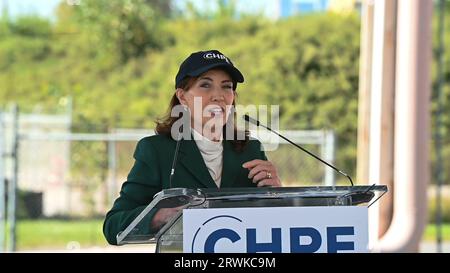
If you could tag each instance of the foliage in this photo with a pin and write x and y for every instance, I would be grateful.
(444, 128)
(445, 209)
(122, 28)
(431, 232)
(117, 61)
(31, 26)
(64, 234)
(59, 234)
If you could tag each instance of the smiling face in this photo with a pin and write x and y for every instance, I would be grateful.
(209, 100)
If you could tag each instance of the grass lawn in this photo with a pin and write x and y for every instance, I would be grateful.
(61, 234)
(430, 233)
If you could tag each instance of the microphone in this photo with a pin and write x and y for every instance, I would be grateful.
(174, 162)
(177, 148)
(257, 123)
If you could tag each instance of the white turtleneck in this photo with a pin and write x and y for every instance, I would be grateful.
(212, 153)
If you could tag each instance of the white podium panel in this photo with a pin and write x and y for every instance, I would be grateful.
(276, 229)
(255, 220)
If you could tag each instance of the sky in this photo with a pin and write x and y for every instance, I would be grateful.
(46, 8)
(43, 8)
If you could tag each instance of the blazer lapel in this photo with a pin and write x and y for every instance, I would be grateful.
(192, 160)
(231, 165)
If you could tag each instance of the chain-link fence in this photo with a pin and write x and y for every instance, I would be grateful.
(65, 176)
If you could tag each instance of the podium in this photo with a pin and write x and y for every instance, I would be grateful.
(169, 205)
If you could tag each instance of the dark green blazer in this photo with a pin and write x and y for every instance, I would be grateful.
(151, 171)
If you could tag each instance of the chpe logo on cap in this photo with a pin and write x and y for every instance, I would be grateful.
(211, 55)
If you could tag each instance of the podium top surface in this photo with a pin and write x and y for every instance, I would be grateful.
(286, 192)
(173, 201)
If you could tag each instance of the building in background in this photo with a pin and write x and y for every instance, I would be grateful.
(274, 9)
(344, 6)
(293, 7)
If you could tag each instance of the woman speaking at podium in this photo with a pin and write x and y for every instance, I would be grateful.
(193, 146)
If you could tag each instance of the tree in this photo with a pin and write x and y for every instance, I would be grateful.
(122, 29)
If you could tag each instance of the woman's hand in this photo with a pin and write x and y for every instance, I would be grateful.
(162, 216)
(263, 173)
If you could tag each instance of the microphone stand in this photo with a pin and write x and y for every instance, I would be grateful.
(257, 123)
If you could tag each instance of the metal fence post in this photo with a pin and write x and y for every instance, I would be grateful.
(12, 192)
(328, 151)
(2, 188)
(112, 166)
(439, 171)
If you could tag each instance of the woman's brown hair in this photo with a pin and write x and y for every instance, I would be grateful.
(164, 124)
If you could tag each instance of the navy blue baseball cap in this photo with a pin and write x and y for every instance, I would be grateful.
(200, 62)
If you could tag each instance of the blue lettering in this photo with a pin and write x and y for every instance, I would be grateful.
(217, 235)
(333, 244)
(297, 233)
(254, 247)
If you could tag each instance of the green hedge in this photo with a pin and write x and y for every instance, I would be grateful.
(445, 208)
(118, 61)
